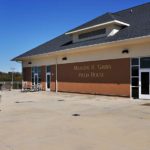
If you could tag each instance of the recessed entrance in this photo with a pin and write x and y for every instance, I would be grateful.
(48, 78)
(140, 78)
(35, 79)
(144, 92)
(48, 81)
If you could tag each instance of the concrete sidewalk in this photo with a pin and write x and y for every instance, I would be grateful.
(44, 121)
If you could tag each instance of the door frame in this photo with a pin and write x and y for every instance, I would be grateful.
(142, 96)
(36, 74)
(48, 73)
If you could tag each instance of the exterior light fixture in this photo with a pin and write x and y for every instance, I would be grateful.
(29, 62)
(125, 51)
(64, 58)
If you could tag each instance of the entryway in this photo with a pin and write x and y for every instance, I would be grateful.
(144, 90)
(36, 79)
(48, 81)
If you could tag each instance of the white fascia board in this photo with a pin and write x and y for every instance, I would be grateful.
(121, 23)
(99, 25)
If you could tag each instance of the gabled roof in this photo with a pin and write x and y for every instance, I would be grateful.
(138, 17)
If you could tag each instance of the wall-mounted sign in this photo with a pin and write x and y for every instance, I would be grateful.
(105, 71)
(91, 71)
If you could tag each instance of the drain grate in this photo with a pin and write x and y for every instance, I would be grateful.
(146, 104)
(24, 102)
(61, 100)
(76, 115)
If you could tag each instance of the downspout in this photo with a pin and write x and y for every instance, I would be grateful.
(56, 76)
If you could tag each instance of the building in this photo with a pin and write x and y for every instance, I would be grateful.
(109, 55)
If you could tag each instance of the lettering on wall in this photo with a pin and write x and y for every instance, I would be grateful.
(92, 71)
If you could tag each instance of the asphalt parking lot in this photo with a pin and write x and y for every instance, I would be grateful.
(65, 121)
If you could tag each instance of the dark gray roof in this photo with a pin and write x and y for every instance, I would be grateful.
(99, 20)
(138, 18)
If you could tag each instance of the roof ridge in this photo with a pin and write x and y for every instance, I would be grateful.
(131, 8)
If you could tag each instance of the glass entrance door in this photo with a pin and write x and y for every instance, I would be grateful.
(144, 84)
(35, 79)
(48, 81)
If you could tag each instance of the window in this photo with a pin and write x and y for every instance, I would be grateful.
(36, 70)
(135, 92)
(48, 69)
(68, 43)
(39, 74)
(33, 75)
(135, 77)
(92, 33)
(135, 81)
(145, 62)
(135, 71)
(135, 61)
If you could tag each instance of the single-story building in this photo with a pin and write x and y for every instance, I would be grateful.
(109, 55)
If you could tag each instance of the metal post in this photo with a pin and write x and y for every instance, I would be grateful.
(22, 75)
(17, 85)
(12, 76)
(12, 79)
(56, 76)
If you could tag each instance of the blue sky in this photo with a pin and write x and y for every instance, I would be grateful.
(25, 24)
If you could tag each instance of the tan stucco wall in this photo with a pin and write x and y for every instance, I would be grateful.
(93, 54)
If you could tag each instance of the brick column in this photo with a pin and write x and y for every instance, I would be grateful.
(27, 76)
(53, 78)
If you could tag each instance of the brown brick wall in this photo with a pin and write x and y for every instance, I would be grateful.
(27, 76)
(53, 77)
(107, 77)
(96, 88)
(43, 78)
